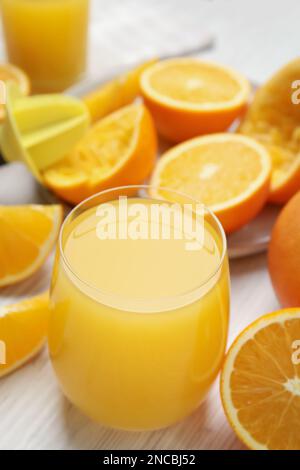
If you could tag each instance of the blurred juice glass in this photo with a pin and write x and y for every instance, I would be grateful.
(47, 39)
(138, 326)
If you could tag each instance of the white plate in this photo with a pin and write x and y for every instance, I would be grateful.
(254, 237)
(17, 186)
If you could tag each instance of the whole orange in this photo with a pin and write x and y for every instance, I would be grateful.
(284, 254)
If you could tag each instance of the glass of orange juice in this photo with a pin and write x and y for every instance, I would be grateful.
(47, 39)
(139, 306)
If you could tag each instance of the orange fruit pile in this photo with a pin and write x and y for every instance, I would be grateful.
(260, 383)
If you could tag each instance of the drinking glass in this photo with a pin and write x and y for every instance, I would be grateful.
(139, 306)
(47, 39)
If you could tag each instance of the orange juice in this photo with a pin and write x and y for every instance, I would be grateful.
(138, 326)
(47, 39)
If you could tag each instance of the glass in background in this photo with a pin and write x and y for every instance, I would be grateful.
(47, 39)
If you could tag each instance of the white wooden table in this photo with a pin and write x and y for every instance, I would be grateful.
(254, 36)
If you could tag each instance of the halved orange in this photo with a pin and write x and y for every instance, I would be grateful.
(9, 72)
(118, 150)
(227, 172)
(191, 97)
(274, 120)
(23, 330)
(116, 93)
(260, 382)
(27, 235)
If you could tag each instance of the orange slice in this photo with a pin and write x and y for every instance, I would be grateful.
(10, 72)
(27, 235)
(228, 173)
(116, 93)
(190, 97)
(23, 330)
(260, 382)
(274, 120)
(118, 150)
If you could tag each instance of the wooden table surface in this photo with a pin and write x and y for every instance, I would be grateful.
(254, 36)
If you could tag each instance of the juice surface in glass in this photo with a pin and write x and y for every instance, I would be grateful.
(47, 39)
(138, 326)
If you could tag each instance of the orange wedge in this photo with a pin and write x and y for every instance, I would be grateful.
(116, 93)
(118, 150)
(23, 330)
(8, 73)
(274, 119)
(260, 382)
(27, 235)
(228, 173)
(190, 97)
